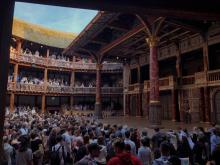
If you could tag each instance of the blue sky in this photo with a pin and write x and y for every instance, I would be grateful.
(59, 18)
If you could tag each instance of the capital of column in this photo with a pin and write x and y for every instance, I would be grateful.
(153, 41)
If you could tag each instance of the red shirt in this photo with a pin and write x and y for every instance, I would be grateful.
(124, 159)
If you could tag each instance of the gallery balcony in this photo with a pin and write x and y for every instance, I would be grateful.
(53, 63)
(48, 89)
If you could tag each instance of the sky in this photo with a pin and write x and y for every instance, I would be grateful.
(58, 18)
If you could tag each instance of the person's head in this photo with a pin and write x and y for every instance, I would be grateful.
(24, 141)
(94, 149)
(145, 142)
(165, 148)
(119, 146)
(59, 139)
(157, 129)
(127, 134)
(100, 140)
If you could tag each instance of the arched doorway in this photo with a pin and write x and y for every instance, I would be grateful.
(216, 102)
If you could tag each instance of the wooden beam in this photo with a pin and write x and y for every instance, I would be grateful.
(121, 39)
(117, 28)
(98, 42)
(166, 34)
(185, 26)
(6, 19)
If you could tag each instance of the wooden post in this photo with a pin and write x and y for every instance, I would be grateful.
(207, 117)
(12, 101)
(139, 74)
(6, 19)
(48, 53)
(98, 105)
(18, 47)
(72, 81)
(45, 80)
(43, 103)
(15, 74)
(174, 106)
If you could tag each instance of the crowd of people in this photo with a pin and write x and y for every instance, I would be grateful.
(57, 82)
(56, 139)
(30, 80)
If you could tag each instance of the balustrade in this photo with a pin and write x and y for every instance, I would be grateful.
(214, 76)
(10, 86)
(29, 87)
(62, 64)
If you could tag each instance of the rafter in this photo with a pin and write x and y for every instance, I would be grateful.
(117, 28)
(121, 39)
(185, 26)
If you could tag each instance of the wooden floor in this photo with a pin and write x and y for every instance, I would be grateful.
(143, 124)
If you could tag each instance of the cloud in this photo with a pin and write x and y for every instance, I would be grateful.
(59, 18)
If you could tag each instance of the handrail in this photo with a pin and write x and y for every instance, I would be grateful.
(49, 62)
(188, 80)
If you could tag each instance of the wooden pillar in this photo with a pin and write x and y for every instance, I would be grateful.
(72, 81)
(12, 101)
(139, 74)
(205, 54)
(71, 102)
(174, 106)
(124, 104)
(207, 105)
(48, 53)
(45, 79)
(178, 76)
(15, 73)
(6, 19)
(154, 106)
(98, 106)
(19, 46)
(43, 103)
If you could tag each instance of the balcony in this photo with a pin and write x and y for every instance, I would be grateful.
(164, 84)
(48, 62)
(33, 88)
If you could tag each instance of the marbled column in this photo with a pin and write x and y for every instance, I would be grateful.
(98, 106)
(155, 107)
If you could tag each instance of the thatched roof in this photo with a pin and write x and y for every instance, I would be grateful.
(41, 35)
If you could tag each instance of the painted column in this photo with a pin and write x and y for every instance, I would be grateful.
(98, 106)
(154, 106)
(174, 106)
(15, 73)
(207, 105)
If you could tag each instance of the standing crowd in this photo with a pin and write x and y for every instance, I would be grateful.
(55, 139)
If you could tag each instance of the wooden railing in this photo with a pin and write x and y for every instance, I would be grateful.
(214, 76)
(10, 86)
(20, 87)
(164, 83)
(49, 62)
(30, 88)
(188, 80)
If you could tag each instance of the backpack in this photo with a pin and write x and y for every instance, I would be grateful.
(55, 157)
